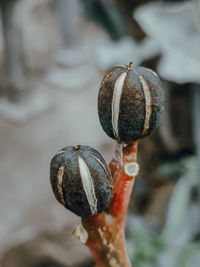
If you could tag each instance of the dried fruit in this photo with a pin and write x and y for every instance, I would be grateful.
(81, 180)
(130, 102)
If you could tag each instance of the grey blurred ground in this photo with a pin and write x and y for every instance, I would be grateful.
(29, 213)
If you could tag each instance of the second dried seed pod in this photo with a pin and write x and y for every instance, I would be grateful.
(81, 180)
(130, 102)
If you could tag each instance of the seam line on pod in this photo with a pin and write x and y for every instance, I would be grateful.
(153, 72)
(60, 174)
(101, 163)
(60, 152)
(110, 73)
(105, 77)
(117, 93)
(88, 185)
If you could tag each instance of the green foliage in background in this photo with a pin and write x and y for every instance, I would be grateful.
(175, 245)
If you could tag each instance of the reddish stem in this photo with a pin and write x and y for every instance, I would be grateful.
(104, 232)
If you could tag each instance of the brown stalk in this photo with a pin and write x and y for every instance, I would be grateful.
(104, 233)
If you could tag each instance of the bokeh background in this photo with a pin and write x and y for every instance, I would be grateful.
(53, 55)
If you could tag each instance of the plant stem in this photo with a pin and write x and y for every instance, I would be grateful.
(104, 232)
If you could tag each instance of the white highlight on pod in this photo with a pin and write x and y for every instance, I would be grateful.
(116, 102)
(131, 168)
(88, 185)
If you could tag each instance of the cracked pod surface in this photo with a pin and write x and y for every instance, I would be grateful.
(81, 180)
(130, 103)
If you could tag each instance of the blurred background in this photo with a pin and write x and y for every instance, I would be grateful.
(53, 55)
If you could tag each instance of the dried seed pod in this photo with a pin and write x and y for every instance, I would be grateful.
(130, 102)
(81, 180)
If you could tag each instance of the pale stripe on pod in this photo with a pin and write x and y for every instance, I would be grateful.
(147, 96)
(117, 93)
(111, 72)
(148, 107)
(88, 185)
(60, 174)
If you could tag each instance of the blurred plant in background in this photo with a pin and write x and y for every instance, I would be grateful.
(177, 243)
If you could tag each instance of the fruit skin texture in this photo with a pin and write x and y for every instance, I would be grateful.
(134, 106)
(70, 191)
